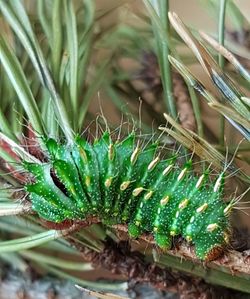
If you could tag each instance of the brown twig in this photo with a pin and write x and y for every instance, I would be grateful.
(119, 259)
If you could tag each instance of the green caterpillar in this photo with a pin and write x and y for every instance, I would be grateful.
(123, 183)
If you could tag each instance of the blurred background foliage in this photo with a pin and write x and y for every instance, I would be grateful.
(65, 62)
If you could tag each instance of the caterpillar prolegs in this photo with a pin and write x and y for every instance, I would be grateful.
(125, 183)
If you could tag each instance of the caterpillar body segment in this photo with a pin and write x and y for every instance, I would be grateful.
(127, 183)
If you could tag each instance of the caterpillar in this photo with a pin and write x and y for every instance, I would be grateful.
(124, 183)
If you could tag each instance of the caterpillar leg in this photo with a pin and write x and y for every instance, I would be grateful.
(134, 229)
(210, 244)
(164, 241)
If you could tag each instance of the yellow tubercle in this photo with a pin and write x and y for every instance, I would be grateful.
(108, 182)
(137, 223)
(211, 227)
(153, 163)
(202, 208)
(200, 181)
(183, 203)
(182, 174)
(83, 155)
(87, 181)
(134, 155)
(148, 195)
(164, 200)
(124, 185)
(167, 169)
(137, 191)
(111, 152)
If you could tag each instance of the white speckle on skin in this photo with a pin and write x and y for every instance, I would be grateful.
(192, 219)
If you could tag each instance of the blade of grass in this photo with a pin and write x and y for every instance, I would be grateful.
(246, 100)
(57, 33)
(8, 178)
(97, 80)
(72, 43)
(221, 29)
(85, 41)
(58, 262)
(243, 7)
(224, 85)
(101, 285)
(5, 127)
(202, 148)
(15, 261)
(193, 82)
(25, 226)
(12, 208)
(158, 12)
(20, 84)
(29, 242)
(196, 109)
(221, 61)
(234, 14)
(231, 114)
(49, 115)
(227, 54)
(21, 26)
(43, 17)
(9, 10)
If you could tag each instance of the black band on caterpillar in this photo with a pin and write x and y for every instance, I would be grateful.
(121, 183)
